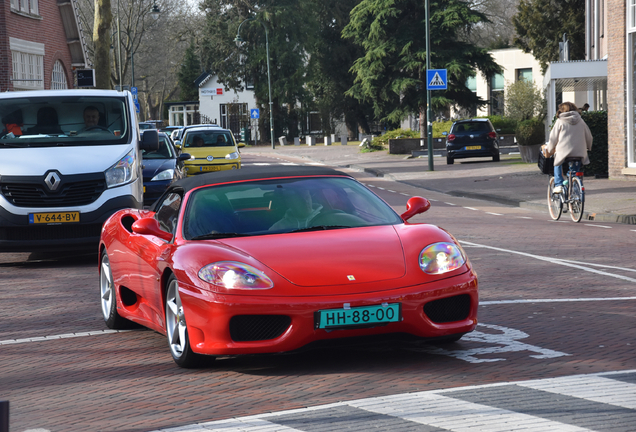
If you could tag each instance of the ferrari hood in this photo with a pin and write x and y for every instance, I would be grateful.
(335, 257)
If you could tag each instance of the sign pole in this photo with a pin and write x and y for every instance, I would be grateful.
(429, 124)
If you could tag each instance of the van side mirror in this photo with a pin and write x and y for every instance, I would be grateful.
(150, 140)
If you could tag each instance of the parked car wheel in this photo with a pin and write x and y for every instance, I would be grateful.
(496, 158)
(449, 160)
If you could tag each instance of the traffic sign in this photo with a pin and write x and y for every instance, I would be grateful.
(254, 113)
(436, 79)
(133, 90)
(137, 107)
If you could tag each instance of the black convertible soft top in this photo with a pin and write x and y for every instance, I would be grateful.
(253, 173)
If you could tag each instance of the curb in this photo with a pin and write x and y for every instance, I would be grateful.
(587, 216)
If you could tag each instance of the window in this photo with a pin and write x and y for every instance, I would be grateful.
(26, 6)
(497, 95)
(471, 83)
(27, 60)
(168, 212)
(58, 77)
(524, 74)
(234, 116)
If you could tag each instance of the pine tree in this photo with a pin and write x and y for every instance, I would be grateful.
(540, 25)
(392, 72)
(188, 73)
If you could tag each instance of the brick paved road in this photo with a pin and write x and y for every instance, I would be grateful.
(127, 381)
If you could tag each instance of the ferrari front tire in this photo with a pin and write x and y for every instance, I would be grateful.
(109, 296)
(177, 330)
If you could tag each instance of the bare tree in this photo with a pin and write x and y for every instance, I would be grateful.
(149, 48)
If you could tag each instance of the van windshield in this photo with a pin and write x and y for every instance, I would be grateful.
(63, 120)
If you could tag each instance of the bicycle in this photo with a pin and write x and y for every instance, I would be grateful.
(573, 194)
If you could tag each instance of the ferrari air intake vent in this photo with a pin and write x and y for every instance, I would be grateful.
(244, 328)
(448, 309)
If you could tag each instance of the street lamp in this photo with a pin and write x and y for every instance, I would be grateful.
(238, 41)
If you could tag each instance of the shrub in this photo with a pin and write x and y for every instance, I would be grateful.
(597, 122)
(524, 101)
(439, 127)
(530, 132)
(382, 141)
(503, 125)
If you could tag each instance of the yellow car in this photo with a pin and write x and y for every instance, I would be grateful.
(211, 149)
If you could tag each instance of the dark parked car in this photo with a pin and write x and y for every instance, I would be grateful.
(471, 138)
(161, 168)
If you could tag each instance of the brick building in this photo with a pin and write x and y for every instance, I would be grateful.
(41, 43)
(617, 16)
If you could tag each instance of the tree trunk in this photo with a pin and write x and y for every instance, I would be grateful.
(423, 130)
(101, 40)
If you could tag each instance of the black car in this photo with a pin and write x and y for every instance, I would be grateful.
(471, 138)
(161, 168)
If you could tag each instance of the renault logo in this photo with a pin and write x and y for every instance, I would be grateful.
(52, 180)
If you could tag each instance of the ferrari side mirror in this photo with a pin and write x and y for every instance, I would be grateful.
(150, 226)
(415, 205)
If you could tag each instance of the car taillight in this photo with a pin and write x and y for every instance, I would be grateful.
(451, 137)
(492, 135)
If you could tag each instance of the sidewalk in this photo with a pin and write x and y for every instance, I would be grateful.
(510, 181)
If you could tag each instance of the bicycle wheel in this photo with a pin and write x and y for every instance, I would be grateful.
(576, 202)
(554, 202)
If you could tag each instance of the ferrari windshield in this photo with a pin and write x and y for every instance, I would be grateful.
(63, 120)
(283, 206)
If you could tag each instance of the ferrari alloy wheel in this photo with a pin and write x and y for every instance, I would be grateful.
(109, 296)
(176, 328)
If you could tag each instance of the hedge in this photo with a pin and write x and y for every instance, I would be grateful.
(597, 122)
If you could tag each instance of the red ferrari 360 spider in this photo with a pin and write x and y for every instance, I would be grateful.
(264, 260)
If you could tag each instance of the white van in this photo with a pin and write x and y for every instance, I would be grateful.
(68, 160)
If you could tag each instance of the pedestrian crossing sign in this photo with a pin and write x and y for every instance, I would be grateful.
(436, 79)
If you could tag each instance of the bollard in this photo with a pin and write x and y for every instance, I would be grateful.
(282, 140)
(327, 141)
(343, 140)
(296, 141)
(4, 416)
(311, 140)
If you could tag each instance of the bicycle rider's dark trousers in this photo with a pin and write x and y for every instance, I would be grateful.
(558, 174)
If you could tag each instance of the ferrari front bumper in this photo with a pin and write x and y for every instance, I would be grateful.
(210, 317)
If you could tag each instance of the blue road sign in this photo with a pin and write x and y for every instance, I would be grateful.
(137, 107)
(133, 90)
(254, 113)
(436, 79)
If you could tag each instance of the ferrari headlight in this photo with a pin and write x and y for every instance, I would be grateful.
(440, 258)
(122, 172)
(164, 175)
(233, 155)
(235, 275)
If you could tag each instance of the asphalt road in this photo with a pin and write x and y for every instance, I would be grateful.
(557, 301)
